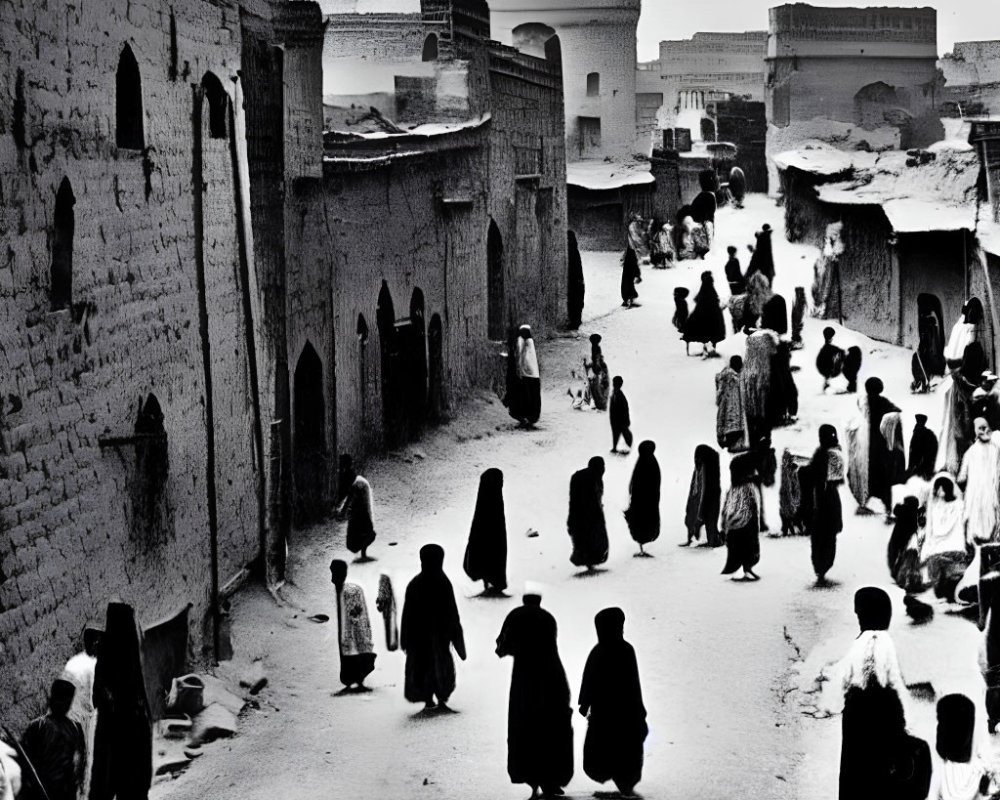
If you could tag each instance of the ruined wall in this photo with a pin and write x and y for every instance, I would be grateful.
(527, 186)
(869, 277)
(806, 217)
(80, 523)
(972, 78)
(932, 263)
(436, 243)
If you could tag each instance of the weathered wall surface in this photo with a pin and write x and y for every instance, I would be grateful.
(972, 78)
(932, 263)
(80, 523)
(806, 217)
(600, 218)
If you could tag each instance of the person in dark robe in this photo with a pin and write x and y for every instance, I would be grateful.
(737, 186)
(643, 512)
(54, 745)
(360, 514)
(618, 416)
(775, 315)
(706, 324)
(826, 475)
(354, 629)
(923, 450)
(830, 359)
(430, 627)
(703, 209)
(575, 286)
(598, 377)
(741, 518)
(585, 522)
(903, 551)
(989, 656)
(782, 403)
(704, 498)
(891, 428)
(681, 313)
(529, 377)
(486, 552)
(798, 316)
(630, 277)
(611, 700)
(346, 473)
(513, 397)
(928, 361)
(882, 462)
(123, 743)
(963, 772)
(873, 724)
(539, 716)
(762, 259)
(756, 379)
(734, 273)
(957, 433)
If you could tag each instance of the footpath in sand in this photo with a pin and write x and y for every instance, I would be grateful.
(727, 668)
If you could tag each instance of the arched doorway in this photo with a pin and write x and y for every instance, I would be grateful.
(531, 38)
(871, 102)
(63, 227)
(309, 442)
(414, 348)
(496, 301)
(149, 508)
(393, 398)
(435, 382)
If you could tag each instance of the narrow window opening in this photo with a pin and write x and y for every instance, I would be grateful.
(128, 103)
(172, 68)
(430, 48)
(20, 107)
(593, 84)
(64, 223)
(218, 103)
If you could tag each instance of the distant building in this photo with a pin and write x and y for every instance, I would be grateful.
(972, 79)
(859, 76)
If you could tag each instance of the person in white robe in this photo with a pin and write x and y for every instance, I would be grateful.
(980, 479)
(79, 671)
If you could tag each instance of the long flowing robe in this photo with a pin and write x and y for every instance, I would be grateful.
(945, 552)
(903, 552)
(756, 379)
(55, 748)
(705, 323)
(385, 602)
(79, 670)
(576, 287)
(357, 652)
(731, 431)
(826, 474)
(513, 398)
(741, 523)
(956, 424)
(783, 394)
(630, 274)
(798, 314)
(980, 476)
(539, 726)
(637, 238)
(762, 260)
(858, 432)
(123, 742)
(531, 383)
(774, 315)
(430, 627)
(643, 513)
(360, 524)
(598, 378)
(923, 452)
(891, 430)
(704, 497)
(585, 522)
(989, 657)
(734, 276)
(737, 185)
(611, 693)
(486, 552)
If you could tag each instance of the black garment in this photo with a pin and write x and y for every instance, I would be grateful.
(878, 758)
(575, 285)
(775, 315)
(585, 523)
(830, 361)
(681, 313)
(514, 396)
(643, 513)
(798, 314)
(354, 669)
(826, 519)
(611, 693)
(762, 259)
(703, 207)
(539, 726)
(706, 323)
(904, 565)
(737, 185)
(618, 415)
(923, 451)
(55, 747)
(852, 366)
(346, 473)
(989, 615)
(704, 497)
(123, 742)
(531, 399)
(882, 465)
(630, 274)
(429, 627)
(782, 394)
(734, 275)
(486, 552)
(360, 530)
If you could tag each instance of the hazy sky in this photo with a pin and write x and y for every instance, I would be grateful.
(958, 20)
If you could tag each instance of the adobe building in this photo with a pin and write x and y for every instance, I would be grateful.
(693, 73)
(972, 79)
(857, 77)
(598, 53)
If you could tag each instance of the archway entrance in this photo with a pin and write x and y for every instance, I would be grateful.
(413, 344)
(309, 442)
(393, 396)
(495, 316)
(435, 383)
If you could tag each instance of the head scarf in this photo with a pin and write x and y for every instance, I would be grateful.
(956, 721)
(874, 386)
(610, 625)
(873, 607)
(432, 558)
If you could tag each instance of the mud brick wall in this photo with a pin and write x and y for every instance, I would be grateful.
(70, 533)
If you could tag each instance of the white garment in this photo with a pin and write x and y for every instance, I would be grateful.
(945, 532)
(962, 335)
(981, 475)
(79, 671)
(527, 360)
(871, 660)
(953, 780)
(10, 773)
(363, 493)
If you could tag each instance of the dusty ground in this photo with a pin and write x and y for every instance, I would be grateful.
(726, 667)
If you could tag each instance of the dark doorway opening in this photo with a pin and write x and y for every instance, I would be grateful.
(128, 102)
(435, 377)
(309, 443)
(413, 341)
(393, 395)
(495, 316)
(63, 231)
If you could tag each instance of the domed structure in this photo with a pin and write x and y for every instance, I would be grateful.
(598, 47)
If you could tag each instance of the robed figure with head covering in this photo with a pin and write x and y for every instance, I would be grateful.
(360, 524)
(430, 627)
(869, 470)
(741, 517)
(731, 429)
(530, 377)
(575, 286)
(611, 699)
(585, 522)
(539, 717)
(643, 512)
(964, 774)
(826, 474)
(486, 553)
(123, 743)
(704, 497)
(946, 551)
(762, 260)
(354, 629)
(598, 377)
(630, 277)
(980, 478)
(923, 450)
(706, 324)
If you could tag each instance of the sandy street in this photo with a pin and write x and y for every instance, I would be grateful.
(723, 664)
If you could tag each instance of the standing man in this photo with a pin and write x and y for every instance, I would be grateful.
(54, 746)
(79, 670)
(530, 377)
(980, 480)
(357, 653)
(585, 523)
(618, 414)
